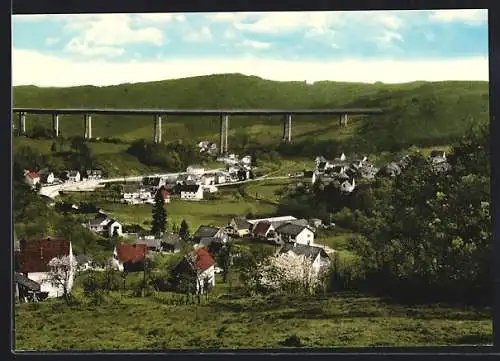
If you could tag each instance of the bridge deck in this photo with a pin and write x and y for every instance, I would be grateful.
(199, 112)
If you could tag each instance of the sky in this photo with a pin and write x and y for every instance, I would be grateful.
(361, 46)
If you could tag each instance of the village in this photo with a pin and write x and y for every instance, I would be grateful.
(46, 268)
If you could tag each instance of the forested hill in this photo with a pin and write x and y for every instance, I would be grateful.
(418, 113)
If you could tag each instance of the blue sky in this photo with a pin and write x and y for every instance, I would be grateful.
(388, 46)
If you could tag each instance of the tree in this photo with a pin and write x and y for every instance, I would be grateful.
(159, 223)
(224, 259)
(61, 274)
(184, 230)
(53, 147)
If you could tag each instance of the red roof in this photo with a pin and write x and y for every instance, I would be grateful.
(203, 260)
(131, 252)
(33, 174)
(35, 255)
(261, 228)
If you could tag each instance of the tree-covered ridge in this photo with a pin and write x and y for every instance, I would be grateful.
(418, 113)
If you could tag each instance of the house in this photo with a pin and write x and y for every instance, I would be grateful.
(94, 174)
(102, 224)
(152, 243)
(184, 178)
(136, 194)
(438, 156)
(196, 169)
(26, 289)
(165, 194)
(83, 262)
(295, 233)
(210, 231)
(32, 178)
(129, 257)
(197, 270)
(220, 178)
(46, 176)
(392, 169)
(191, 192)
(318, 256)
(33, 262)
(247, 160)
(348, 186)
(208, 179)
(315, 223)
(171, 242)
(240, 226)
(262, 229)
(73, 176)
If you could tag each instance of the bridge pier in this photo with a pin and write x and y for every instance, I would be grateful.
(157, 130)
(88, 126)
(343, 120)
(55, 124)
(22, 123)
(287, 128)
(224, 126)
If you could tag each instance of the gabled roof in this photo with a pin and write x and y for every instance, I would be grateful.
(34, 255)
(206, 231)
(305, 250)
(32, 174)
(261, 228)
(150, 243)
(290, 229)
(131, 252)
(241, 223)
(202, 259)
(26, 282)
(191, 188)
(207, 241)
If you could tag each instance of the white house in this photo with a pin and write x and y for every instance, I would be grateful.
(191, 192)
(32, 178)
(318, 256)
(196, 169)
(220, 178)
(102, 224)
(247, 160)
(208, 179)
(73, 176)
(240, 226)
(137, 194)
(210, 232)
(94, 174)
(209, 189)
(348, 186)
(295, 233)
(34, 257)
(46, 176)
(438, 156)
(201, 264)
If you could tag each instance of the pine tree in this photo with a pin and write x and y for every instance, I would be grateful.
(184, 230)
(159, 212)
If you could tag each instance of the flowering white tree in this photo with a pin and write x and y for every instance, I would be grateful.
(289, 272)
(61, 273)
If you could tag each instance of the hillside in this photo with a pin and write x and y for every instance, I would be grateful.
(418, 113)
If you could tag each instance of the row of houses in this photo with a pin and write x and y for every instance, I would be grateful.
(343, 173)
(47, 177)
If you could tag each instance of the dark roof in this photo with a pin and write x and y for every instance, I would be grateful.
(206, 231)
(241, 223)
(290, 229)
(150, 243)
(189, 188)
(26, 282)
(261, 228)
(35, 255)
(207, 241)
(131, 188)
(437, 153)
(172, 238)
(302, 249)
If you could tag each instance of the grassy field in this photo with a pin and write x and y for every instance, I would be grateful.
(223, 321)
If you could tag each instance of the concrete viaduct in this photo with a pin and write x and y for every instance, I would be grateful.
(157, 115)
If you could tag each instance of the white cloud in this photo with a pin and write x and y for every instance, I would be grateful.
(112, 30)
(200, 35)
(62, 72)
(388, 37)
(470, 17)
(75, 46)
(255, 44)
(51, 41)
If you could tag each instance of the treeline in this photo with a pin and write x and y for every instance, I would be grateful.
(423, 235)
(175, 156)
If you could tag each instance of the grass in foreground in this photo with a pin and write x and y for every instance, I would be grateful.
(342, 319)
